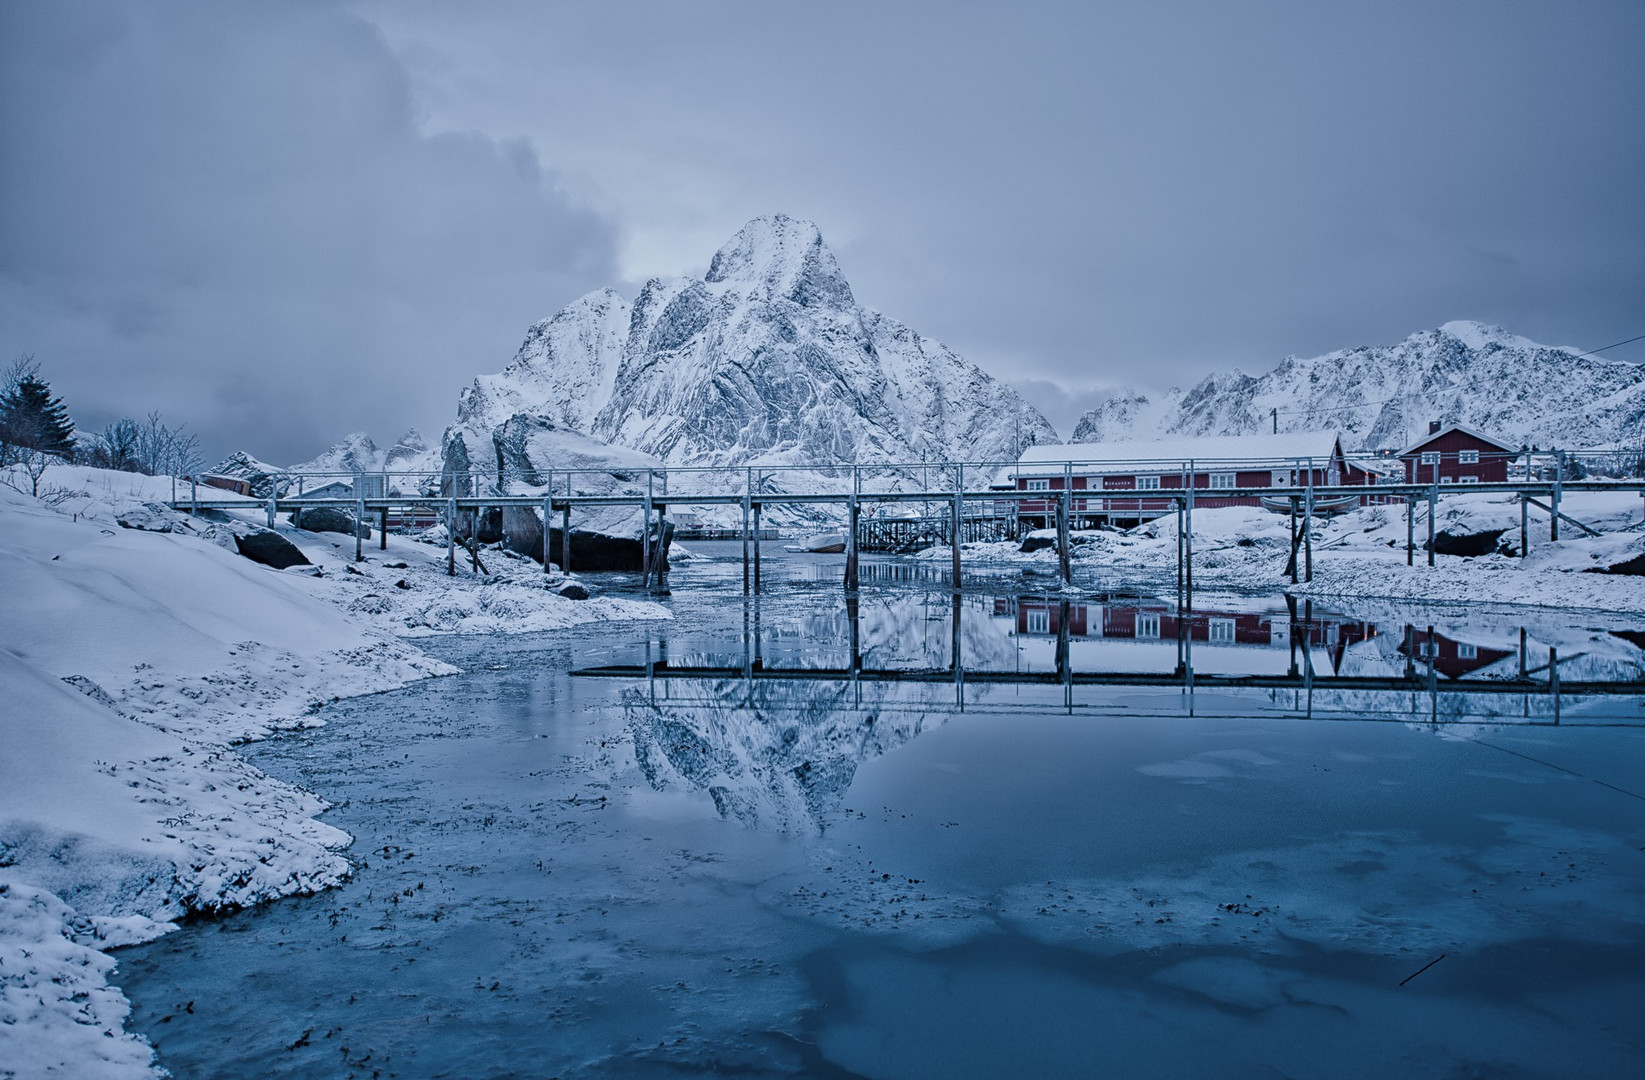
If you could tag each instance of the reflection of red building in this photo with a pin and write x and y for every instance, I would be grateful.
(1036, 616)
(1450, 657)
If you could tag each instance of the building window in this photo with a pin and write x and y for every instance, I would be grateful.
(1039, 485)
(1039, 621)
(1466, 652)
(1428, 650)
(1430, 457)
(1468, 457)
(1222, 479)
(1467, 479)
(1148, 483)
(1222, 630)
(1447, 480)
(1147, 626)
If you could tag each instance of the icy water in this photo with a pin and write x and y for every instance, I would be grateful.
(795, 838)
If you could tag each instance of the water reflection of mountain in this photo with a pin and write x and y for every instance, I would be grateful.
(775, 755)
(774, 730)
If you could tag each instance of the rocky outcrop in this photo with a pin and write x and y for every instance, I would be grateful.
(270, 549)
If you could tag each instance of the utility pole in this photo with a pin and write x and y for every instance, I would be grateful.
(1274, 412)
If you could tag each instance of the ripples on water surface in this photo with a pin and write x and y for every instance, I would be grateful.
(786, 839)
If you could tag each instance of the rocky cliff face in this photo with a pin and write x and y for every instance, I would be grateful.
(1384, 396)
(766, 359)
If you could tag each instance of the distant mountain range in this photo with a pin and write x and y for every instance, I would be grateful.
(1384, 396)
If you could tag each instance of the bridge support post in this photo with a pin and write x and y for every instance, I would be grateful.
(854, 516)
(1188, 542)
(756, 547)
(548, 516)
(1410, 530)
(959, 521)
(359, 528)
(1553, 501)
(1308, 528)
(1433, 512)
(748, 494)
(194, 494)
(1553, 679)
(271, 509)
(1524, 525)
(645, 534)
(565, 532)
(382, 530)
(451, 538)
(1065, 566)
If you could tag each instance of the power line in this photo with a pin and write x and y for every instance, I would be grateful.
(1607, 348)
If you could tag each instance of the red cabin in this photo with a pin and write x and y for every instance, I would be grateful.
(1456, 455)
(1111, 481)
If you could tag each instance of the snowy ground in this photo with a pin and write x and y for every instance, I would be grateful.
(136, 647)
(1363, 554)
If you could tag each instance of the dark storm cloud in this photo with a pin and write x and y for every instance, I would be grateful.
(227, 212)
(285, 221)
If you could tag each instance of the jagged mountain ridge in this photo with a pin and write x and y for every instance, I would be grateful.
(359, 453)
(1383, 396)
(766, 359)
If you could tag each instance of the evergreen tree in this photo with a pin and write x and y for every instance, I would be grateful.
(32, 418)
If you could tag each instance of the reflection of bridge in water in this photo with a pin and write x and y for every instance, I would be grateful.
(1144, 643)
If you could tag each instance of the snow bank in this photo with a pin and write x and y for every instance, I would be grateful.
(135, 648)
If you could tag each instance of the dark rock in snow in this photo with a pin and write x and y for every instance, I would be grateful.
(270, 549)
(402, 584)
(1634, 567)
(328, 519)
(1470, 544)
(1036, 543)
(574, 591)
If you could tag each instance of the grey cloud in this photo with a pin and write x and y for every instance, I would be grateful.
(229, 212)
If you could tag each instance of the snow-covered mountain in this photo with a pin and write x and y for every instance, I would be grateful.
(1384, 396)
(359, 453)
(768, 358)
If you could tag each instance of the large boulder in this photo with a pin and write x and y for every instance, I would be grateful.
(270, 549)
(329, 519)
(1473, 544)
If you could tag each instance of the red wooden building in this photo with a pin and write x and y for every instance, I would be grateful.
(1111, 481)
(1456, 455)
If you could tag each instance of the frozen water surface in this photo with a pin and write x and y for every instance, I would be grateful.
(720, 868)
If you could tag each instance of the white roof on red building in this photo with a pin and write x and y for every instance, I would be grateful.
(1442, 432)
(1169, 455)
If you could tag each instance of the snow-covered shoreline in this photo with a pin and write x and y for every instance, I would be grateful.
(1362, 554)
(136, 648)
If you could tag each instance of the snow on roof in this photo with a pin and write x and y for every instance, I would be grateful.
(1444, 431)
(1165, 454)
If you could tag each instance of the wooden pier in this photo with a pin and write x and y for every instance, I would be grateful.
(967, 512)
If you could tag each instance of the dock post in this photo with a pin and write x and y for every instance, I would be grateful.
(1553, 679)
(756, 547)
(748, 494)
(1178, 502)
(959, 519)
(359, 527)
(451, 538)
(1553, 502)
(1433, 512)
(1291, 565)
(1524, 525)
(853, 511)
(382, 530)
(1065, 566)
(1308, 528)
(1188, 541)
(645, 534)
(271, 508)
(548, 516)
(194, 494)
(1410, 530)
(565, 531)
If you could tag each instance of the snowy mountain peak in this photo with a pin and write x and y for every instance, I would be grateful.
(767, 358)
(1383, 396)
(787, 257)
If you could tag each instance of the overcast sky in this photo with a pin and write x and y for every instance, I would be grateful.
(281, 222)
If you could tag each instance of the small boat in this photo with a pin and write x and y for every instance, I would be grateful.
(824, 544)
(1339, 505)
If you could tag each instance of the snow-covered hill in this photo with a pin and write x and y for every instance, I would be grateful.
(767, 359)
(1384, 396)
